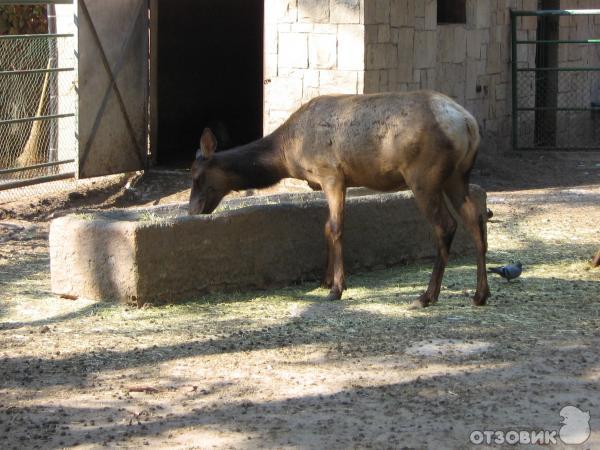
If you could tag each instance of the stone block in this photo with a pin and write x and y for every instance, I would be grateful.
(360, 82)
(494, 58)
(371, 34)
(384, 84)
(445, 44)
(271, 35)
(284, 94)
(313, 11)
(293, 50)
(302, 27)
(351, 47)
(281, 11)
(323, 51)
(345, 11)
(474, 70)
(161, 255)
(377, 12)
(274, 118)
(382, 11)
(338, 82)
(371, 81)
(406, 46)
(270, 66)
(325, 28)
(425, 49)
(482, 14)
(430, 14)
(311, 78)
(473, 44)
(383, 33)
(459, 54)
(402, 13)
(420, 8)
(382, 56)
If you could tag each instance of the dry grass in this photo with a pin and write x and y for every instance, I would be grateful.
(267, 348)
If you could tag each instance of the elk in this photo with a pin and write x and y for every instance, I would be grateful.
(420, 140)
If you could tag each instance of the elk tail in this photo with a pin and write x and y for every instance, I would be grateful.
(466, 165)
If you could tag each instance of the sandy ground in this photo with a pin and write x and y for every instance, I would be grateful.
(285, 369)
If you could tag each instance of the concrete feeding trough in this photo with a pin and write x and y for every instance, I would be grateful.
(160, 254)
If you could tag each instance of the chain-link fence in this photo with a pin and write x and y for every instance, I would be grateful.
(37, 111)
(556, 88)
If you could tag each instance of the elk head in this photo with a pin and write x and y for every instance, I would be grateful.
(208, 180)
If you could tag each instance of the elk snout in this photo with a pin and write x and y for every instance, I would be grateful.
(196, 204)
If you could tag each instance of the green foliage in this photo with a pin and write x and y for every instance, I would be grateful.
(23, 20)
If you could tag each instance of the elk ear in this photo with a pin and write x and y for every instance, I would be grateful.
(208, 144)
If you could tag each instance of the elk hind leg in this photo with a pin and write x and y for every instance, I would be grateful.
(457, 190)
(433, 206)
(335, 191)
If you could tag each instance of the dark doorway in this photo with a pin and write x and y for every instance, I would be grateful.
(209, 73)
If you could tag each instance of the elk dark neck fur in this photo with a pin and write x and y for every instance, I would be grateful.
(252, 166)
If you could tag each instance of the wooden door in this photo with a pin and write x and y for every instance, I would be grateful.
(113, 86)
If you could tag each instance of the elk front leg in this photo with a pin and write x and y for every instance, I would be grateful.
(327, 281)
(335, 191)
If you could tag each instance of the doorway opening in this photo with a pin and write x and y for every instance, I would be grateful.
(208, 72)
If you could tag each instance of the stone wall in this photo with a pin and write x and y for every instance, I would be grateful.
(406, 50)
(312, 48)
(316, 47)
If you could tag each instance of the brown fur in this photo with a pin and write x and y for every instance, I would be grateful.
(421, 140)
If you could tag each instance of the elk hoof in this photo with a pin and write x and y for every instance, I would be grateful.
(480, 299)
(423, 302)
(334, 294)
(416, 305)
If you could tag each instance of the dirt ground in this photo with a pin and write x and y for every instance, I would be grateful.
(286, 369)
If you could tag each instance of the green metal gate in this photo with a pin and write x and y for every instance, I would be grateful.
(556, 94)
(38, 104)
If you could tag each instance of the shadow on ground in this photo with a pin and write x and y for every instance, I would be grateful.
(421, 411)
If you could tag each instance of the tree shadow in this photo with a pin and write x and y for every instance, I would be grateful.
(328, 323)
(82, 312)
(420, 411)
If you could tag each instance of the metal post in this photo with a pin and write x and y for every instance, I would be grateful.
(515, 119)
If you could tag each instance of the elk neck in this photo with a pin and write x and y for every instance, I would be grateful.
(252, 166)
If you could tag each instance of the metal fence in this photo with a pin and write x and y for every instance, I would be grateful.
(556, 81)
(37, 110)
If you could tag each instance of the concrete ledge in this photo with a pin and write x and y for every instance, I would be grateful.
(160, 254)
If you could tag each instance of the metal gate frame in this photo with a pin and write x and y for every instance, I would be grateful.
(52, 39)
(594, 107)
